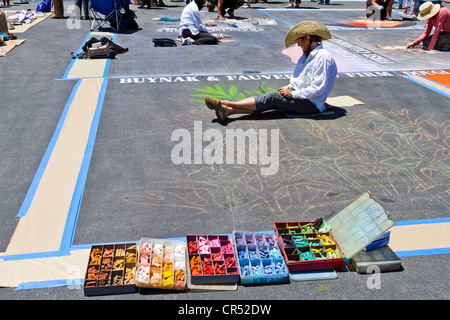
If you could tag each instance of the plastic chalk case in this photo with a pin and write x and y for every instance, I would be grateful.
(259, 258)
(352, 229)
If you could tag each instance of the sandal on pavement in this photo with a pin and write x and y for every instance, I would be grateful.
(215, 104)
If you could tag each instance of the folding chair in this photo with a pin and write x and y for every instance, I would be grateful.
(106, 12)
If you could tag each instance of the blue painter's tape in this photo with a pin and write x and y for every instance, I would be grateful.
(423, 221)
(35, 255)
(423, 252)
(267, 14)
(89, 245)
(43, 165)
(50, 284)
(108, 61)
(72, 217)
(445, 94)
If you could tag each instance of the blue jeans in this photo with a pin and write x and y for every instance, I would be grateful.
(275, 100)
(85, 5)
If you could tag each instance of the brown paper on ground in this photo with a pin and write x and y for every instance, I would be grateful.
(41, 229)
(420, 236)
(25, 26)
(8, 45)
(73, 266)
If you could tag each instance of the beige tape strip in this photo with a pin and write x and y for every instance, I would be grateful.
(41, 229)
(87, 68)
(420, 236)
(73, 266)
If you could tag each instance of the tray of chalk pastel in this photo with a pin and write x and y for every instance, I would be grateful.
(259, 258)
(161, 264)
(111, 269)
(211, 259)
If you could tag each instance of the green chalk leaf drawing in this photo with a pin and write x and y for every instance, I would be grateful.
(232, 94)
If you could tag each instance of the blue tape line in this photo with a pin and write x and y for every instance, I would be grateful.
(108, 61)
(72, 216)
(79, 78)
(50, 284)
(423, 221)
(268, 14)
(89, 245)
(423, 252)
(43, 165)
(36, 255)
(429, 87)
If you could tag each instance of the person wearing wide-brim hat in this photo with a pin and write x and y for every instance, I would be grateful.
(313, 79)
(437, 16)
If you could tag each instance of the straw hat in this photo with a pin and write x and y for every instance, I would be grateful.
(428, 10)
(307, 28)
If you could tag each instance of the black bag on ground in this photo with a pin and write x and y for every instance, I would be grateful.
(112, 46)
(114, 49)
(164, 42)
(128, 21)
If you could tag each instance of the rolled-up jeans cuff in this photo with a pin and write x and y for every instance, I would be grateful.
(269, 100)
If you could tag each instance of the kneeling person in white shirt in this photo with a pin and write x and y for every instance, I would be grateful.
(192, 29)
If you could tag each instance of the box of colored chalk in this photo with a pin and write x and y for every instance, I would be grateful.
(211, 259)
(111, 269)
(305, 248)
(161, 264)
(321, 245)
(259, 258)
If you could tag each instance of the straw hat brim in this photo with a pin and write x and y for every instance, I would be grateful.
(434, 10)
(307, 28)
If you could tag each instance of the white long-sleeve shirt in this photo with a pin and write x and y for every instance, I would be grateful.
(314, 77)
(190, 19)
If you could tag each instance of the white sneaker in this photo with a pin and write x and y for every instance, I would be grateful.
(187, 41)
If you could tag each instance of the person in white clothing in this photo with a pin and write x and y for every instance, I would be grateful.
(192, 29)
(313, 79)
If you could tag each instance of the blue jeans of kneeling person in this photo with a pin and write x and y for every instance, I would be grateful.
(275, 100)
